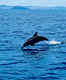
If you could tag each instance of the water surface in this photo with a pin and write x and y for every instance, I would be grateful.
(43, 62)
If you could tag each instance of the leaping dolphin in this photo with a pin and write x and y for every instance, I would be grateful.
(34, 39)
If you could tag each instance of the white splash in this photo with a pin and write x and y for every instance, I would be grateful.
(54, 42)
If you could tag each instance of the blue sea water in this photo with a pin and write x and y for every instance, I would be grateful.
(43, 62)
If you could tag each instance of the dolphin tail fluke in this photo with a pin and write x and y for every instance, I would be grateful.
(45, 38)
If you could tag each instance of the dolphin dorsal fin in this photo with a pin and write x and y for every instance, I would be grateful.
(35, 34)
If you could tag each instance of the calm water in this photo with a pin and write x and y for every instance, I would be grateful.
(41, 62)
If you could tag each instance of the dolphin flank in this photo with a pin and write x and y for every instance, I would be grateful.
(34, 39)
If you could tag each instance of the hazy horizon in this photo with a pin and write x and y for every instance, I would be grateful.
(40, 3)
(30, 6)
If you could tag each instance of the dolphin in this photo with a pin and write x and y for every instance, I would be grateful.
(34, 39)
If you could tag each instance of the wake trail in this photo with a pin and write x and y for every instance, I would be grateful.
(53, 42)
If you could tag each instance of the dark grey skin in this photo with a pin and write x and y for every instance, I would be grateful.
(34, 39)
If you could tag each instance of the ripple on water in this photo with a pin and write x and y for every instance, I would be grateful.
(41, 63)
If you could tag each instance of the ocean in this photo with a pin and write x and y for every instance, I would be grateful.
(40, 62)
